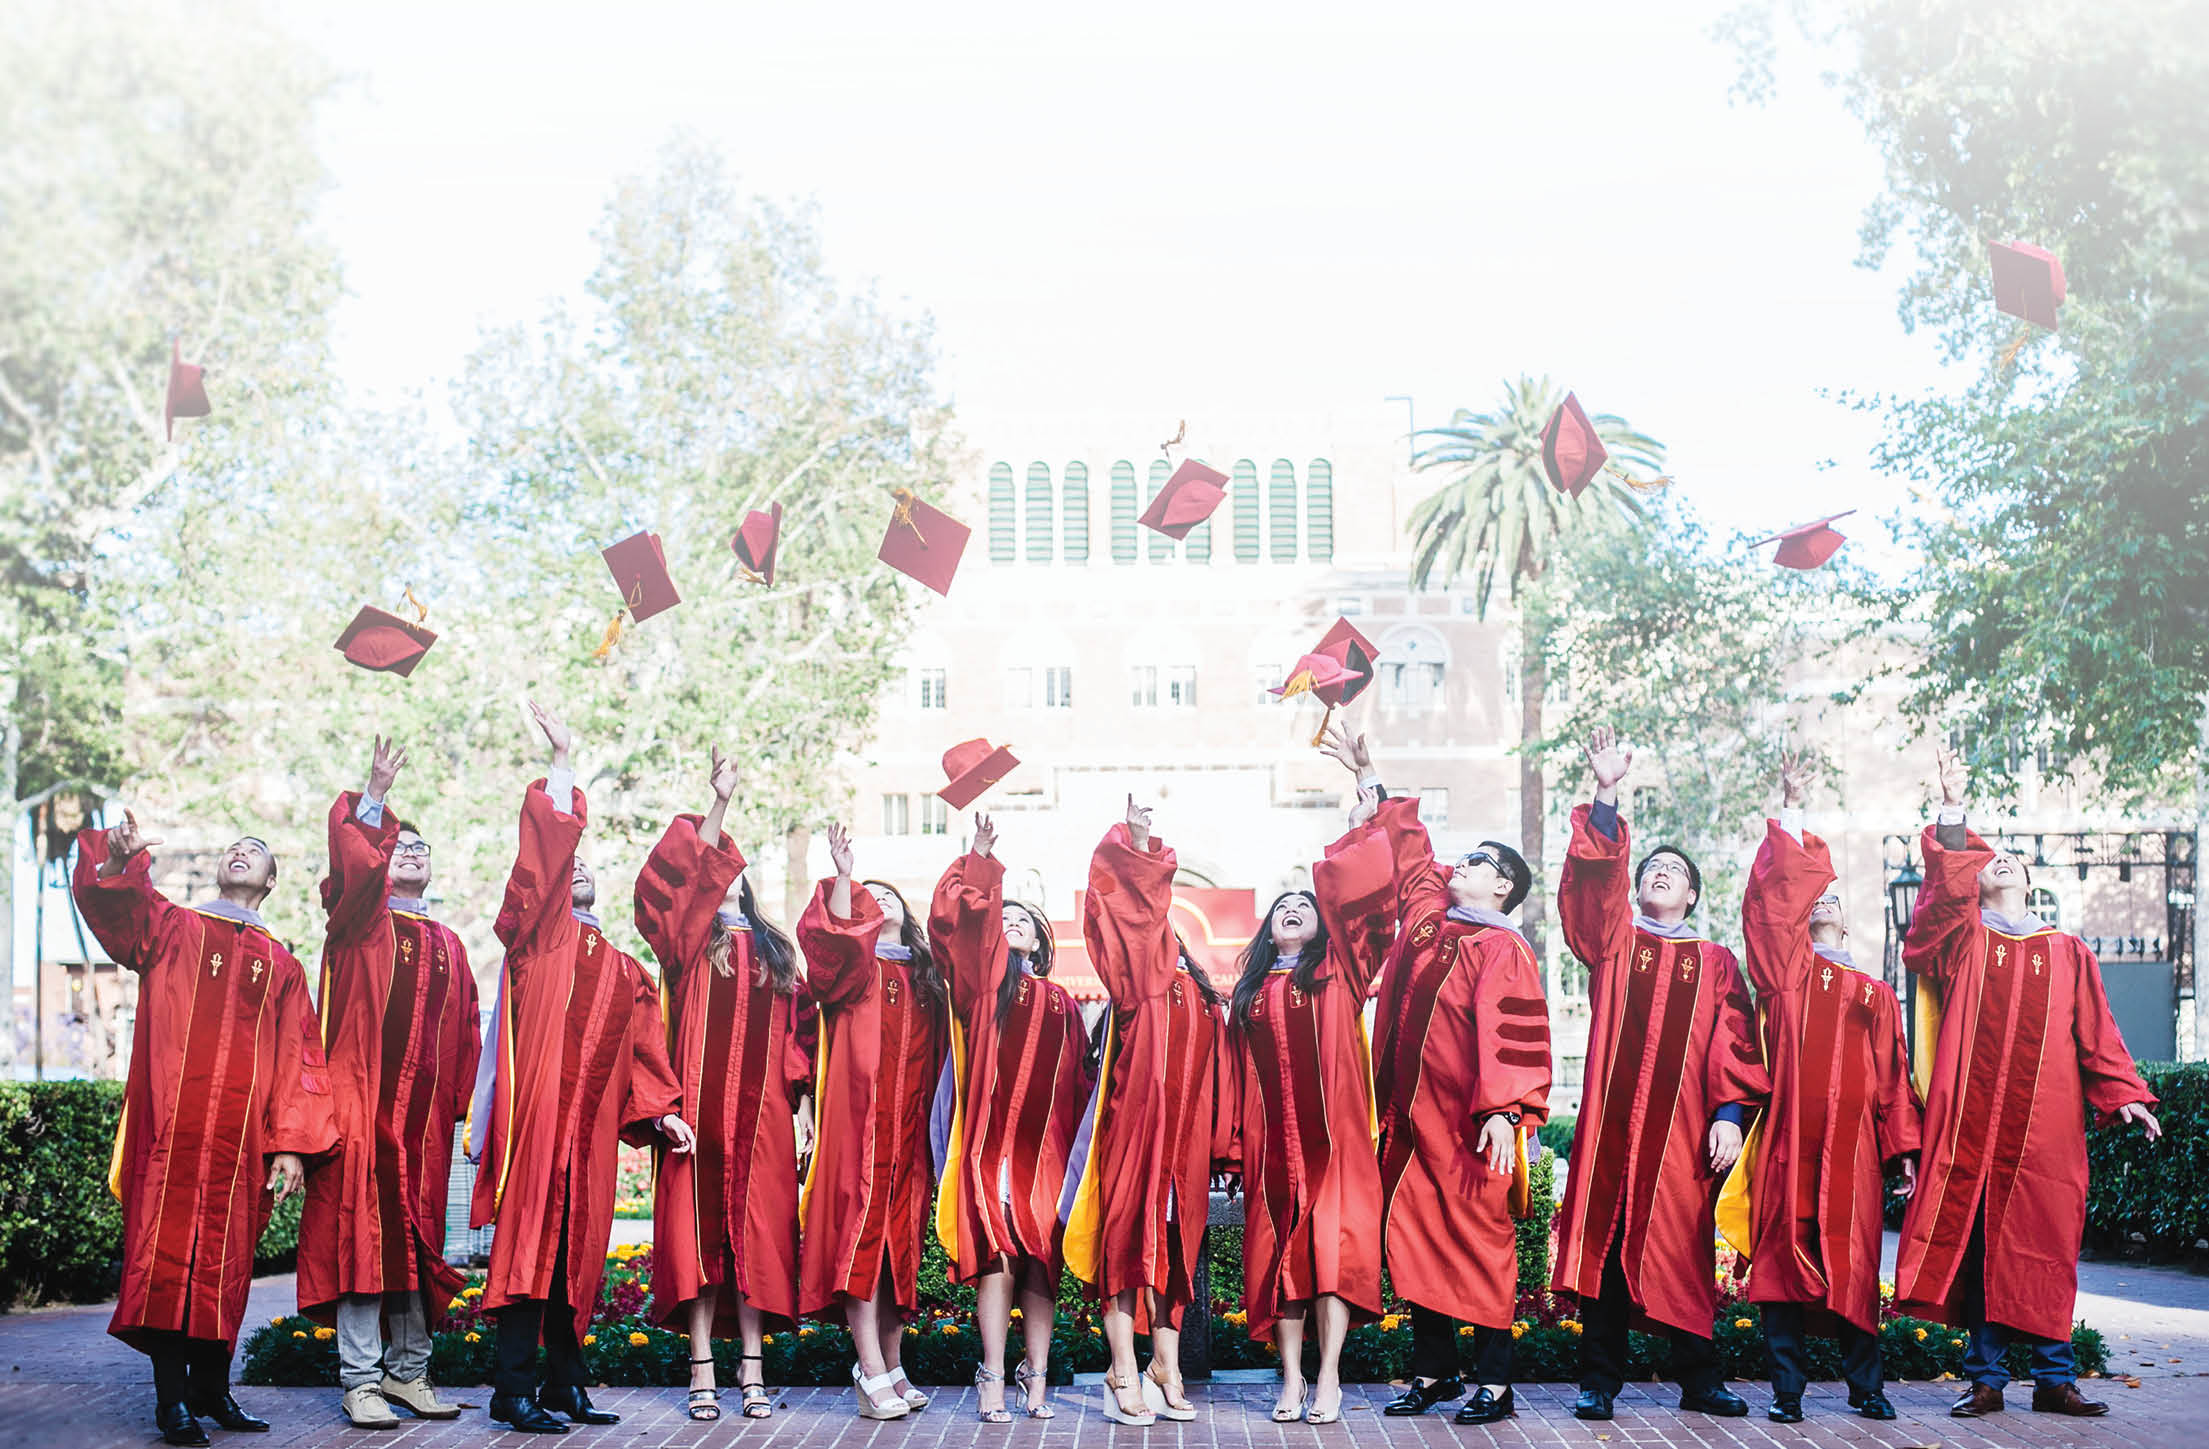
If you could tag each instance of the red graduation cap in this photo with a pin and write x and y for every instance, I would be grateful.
(923, 542)
(2028, 281)
(1571, 452)
(971, 768)
(384, 642)
(1807, 545)
(1357, 655)
(187, 392)
(639, 567)
(756, 541)
(1313, 674)
(1186, 501)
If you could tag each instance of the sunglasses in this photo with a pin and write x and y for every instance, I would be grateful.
(1481, 857)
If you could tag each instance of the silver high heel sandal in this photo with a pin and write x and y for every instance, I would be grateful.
(1024, 1376)
(990, 1416)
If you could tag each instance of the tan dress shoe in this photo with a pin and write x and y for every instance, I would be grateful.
(366, 1408)
(419, 1399)
(1977, 1402)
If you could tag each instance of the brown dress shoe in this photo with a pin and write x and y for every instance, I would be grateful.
(1978, 1401)
(2065, 1399)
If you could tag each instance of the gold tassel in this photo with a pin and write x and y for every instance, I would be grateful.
(1181, 435)
(1325, 720)
(421, 610)
(1639, 485)
(904, 514)
(613, 635)
(2008, 358)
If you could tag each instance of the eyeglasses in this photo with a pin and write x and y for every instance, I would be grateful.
(1830, 900)
(1664, 865)
(412, 847)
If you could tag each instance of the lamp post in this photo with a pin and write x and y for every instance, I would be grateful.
(1902, 903)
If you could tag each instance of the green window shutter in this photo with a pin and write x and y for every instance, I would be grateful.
(1124, 512)
(1281, 511)
(1039, 513)
(1000, 513)
(1074, 512)
(1245, 490)
(1197, 547)
(1319, 510)
(1161, 547)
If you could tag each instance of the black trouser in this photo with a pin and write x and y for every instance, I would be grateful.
(520, 1325)
(192, 1370)
(1783, 1340)
(1603, 1324)
(1434, 1349)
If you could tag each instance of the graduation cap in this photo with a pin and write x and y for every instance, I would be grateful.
(922, 542)
(385, 642)
(971, 768)
(1572, 454)
(639, 567)
(1311, 674)
(1807, 545)
(1186, 500)
(1335, 673)
(2028, 281)
(187, 391)
(755, 543)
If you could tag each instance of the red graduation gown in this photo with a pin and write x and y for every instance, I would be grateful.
(866, 1199)
(1158, 1112)
(1669, 1042)
(582, 1061)
(2027, 1045)
(1024, 1084)
(725, 1216)
(1304, 1114)
(226, 1070)
(399, 1023)
(1842, 1104)
(1461, 1032)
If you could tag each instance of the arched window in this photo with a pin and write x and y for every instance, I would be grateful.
(1414, 670)
(1281, 511)
(1039, 513)
(1319, 510)
(1124, 512)
(2042, 902)
(1074, 511)
(1001, 513)
(1244, 488)
(1161, 548)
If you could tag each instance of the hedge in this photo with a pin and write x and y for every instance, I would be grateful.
(61, 1233)
(2158, 1190)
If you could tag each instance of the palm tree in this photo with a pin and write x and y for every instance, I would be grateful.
(1497, 523)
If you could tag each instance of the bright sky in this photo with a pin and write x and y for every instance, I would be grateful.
(1174, 209)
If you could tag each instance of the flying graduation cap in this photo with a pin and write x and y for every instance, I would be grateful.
(1335, 673)
(1572, 454)
(187, 391)
(1807, 545)
(756, 541)
(1186, 500)
(922, 542)
(2028, 281)
(970, 768)
(385, 643)
(639, 566)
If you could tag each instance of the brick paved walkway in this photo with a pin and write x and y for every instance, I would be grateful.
(64, 1382)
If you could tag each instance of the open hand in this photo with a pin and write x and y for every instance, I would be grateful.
(1498, 1141)
(724, 776)
(1607, 757)
(384, 766)
(1909, 1177)
(679, 1137)
(839, 850)
(1794, 777)
(557, 734)
(1368, 804)
(1139, 824)
(126, 840)
(285, 1174)
(1725, 1146)
(985, 835)
(2138, 1112)
(1955, 776)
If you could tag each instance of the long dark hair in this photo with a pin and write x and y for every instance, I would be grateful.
(1261, 956)
(1205, 988)
(927, 975)
(1039, 963)
(777, 958)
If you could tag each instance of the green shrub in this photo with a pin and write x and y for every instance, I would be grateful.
(61, 1233)
(2158, 1190)
(1556, 1134)
(1534, 1232)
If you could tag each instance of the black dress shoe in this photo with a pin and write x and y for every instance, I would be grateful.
(576, 1404)
(1785, 1411)
(1417, 1398)
(1717, 1399)
(1873, 1406)
(1592, 1404)
(1487, 1408)
(228, 1414)
(177, 1425)
(524, 1415)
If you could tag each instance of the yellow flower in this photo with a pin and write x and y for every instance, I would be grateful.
(1095, 1331)
(1466, 1331)
(1955, 1343)
(1518, 1330)
(298, 1333)
(770, 1338)
(277, 1321)
(589, 1339)
(324, 1335)
(638, 1340)
(1570, 1325)
(805, 1330)
(951, 1330)
(1238, 1317)
(1392, 1321)
(474, 1337)
(1743, 1323)
(1921, 1335)
(456, 1306)
(473, 1290)
(912, 1331)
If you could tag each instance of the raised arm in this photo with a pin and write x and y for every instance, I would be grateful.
(539, 888)
(1356, 888)
(1947, 910)
(682, 885)
(1784, 884)
(1595, 900)
(1126, 913)
(966, 924)
(838, 932)
(114, 892)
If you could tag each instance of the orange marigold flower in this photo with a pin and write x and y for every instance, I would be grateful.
(638, 1340)
(1743, 1323)
(1921, 1335)
(324, 1335)
(474, 1337)
(589, 1339)
(299, 1333)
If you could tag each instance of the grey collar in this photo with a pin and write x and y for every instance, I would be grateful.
(1684, 931)
(1838, 955)
(586, 917)
(228, 911)
(1482, 916)
(412, 905)
(893, 951)
(2025, 925)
